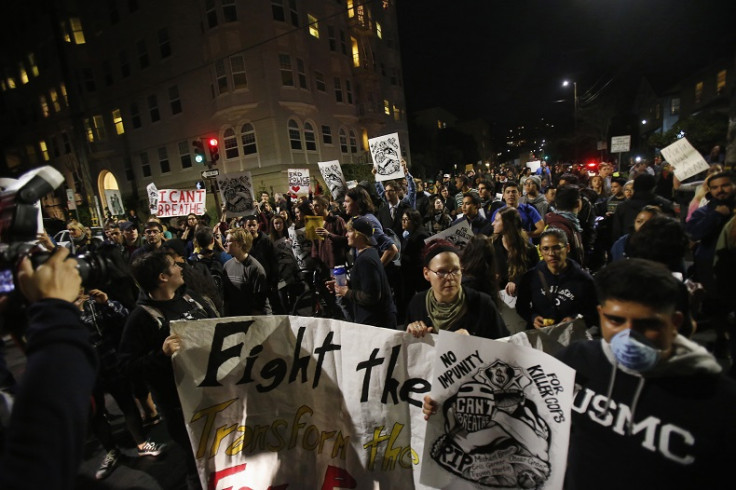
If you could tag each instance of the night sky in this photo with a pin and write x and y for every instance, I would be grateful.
(504, 61)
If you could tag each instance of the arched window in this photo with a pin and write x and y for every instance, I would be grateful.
(343, 141)
(295, 135)
(309, 137)
(353, 142)
(248, 137)
(231, 143)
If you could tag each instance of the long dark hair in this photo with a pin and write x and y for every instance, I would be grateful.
(275, 235)
(362, 200)
(516, 241)
(479, 261)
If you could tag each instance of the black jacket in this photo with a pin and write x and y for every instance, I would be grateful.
(482, 318)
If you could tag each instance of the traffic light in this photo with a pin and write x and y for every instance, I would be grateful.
(199, 155)
(214, 150)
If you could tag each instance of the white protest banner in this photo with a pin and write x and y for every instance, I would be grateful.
(152, 198)
(277, 401)
(236, 191)
(458, 234)
(620, 144)
(300, 246)
(534, 165)
(334, 178)
(386, 153)
(114, 202)
(299, 180)
(685, 159)
(180, 202)
(504, 417)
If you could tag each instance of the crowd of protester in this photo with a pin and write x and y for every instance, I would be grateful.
(540, 237)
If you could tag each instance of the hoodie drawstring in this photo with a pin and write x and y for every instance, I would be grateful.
(610, 388)
(635, 401)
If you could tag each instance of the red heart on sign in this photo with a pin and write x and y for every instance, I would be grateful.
(295, 188)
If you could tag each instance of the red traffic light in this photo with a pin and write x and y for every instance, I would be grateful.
(212, 141)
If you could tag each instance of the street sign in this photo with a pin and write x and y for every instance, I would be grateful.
(210, 174)
(620, 144)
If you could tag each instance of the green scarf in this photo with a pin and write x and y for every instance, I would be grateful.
(444, 315)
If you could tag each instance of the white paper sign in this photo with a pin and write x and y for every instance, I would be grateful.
(180, 202)
(458, 234)
(620, 144)
(334, 178)
(504, 417)
(114, 202)
(236, 191)
(534, 165)
(71, 201)
(685, 159)
(152, 193)
(299, 180)
(386, 153)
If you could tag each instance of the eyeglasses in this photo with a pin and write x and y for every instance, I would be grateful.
(445, 274)
(552, 249)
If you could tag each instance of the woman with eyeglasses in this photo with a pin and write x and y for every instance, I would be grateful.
(448, 305)
(556, 290)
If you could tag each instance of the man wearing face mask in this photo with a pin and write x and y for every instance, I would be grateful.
(652, 409)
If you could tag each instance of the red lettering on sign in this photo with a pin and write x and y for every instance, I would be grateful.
(338, 478)
(219, 475)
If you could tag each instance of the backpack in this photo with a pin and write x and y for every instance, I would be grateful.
(210, 265)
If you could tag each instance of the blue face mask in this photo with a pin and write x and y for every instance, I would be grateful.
(633, 353)
(405, 233)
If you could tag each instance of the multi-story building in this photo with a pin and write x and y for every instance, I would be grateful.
(114, 93)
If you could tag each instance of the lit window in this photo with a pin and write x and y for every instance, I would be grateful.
(248, 138)
(379, 31)
(221, 75)
(309, 139)
(174, 99)
(44, 106)
(88, 130)
(295, 135)
(184, 156)
(237, 66)
(163, 160)
(386, 107)
(721, 82)
(32, 64)
(117, 121)
(351, 11)
(287, 74)
(397, 113)
(231, 143)
(44, 150)
(62, 88)
(77, 31)
(65, 32)
(698, 92)
(313, 25)
(356, 52)
(23, 73)
(11, 83)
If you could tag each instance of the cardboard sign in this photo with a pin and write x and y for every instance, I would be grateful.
(685, 159)
(299, 180)
(334, 178)
(386, 153)
(236, 191)
(180, 202)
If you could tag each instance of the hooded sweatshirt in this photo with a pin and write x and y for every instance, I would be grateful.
(671, 427)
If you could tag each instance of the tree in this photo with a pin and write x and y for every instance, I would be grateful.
(703, 131)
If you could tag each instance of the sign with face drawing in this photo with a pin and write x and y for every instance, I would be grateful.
(504, 416)
(334, 178)
(386, 153)
(236, 191)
